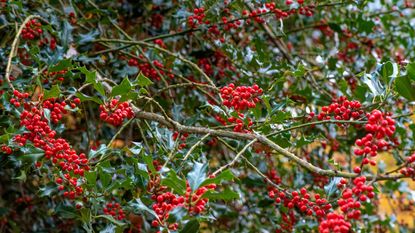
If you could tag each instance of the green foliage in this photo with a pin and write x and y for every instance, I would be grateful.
(168, 62)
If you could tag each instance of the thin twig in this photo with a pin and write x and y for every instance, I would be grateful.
(15, 45)
(195, 145)
(234, 159)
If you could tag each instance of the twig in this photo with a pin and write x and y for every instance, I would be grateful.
(195, 145)
(261, 138)
(119, 131)
(14, 47)
(234, 159)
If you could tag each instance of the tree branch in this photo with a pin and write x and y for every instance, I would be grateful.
(260, 138)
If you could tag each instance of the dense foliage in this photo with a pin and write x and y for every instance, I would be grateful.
(206, 116)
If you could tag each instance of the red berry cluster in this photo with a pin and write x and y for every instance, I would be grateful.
(279, 14)
(32, 30)
(379, 127)
(273, 176)
(289, 2)
(57, 75)
(350, 201)
(19, 98)
(72, 18)
(6, 149)
(241, 97)
(45, 42)
(217, 65)
(194, 201)
(38, 132)
(156, 20)
(341, 109)
(57, 109)
(160, 43)
(380, 124)
(335, 223)
(320, 180)
(182, 138)
(148, 70)
(302, 201)
(197, 18)
(325, 28)
(24, 199)
(240, 126)
(114, 112)
(409, 169)
(256, 14)
(164, 203)
(115, 210)
(288, 221)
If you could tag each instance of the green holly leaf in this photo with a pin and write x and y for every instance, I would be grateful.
(405, 88)
(197, 176)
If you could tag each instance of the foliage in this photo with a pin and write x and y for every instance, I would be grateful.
(206, 116)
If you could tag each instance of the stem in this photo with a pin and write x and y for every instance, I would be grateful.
(15, 44)
(195, 145)
(234, 159)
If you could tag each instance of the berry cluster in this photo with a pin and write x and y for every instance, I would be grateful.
(164, 203)
(380, 124)
(6, 149)
(114, 112)
(72, 18)
(194, 201)
(334, 223)
(160, 43)
(273, 176)
(56, 108)
(32, 30)
(350, 201)
(341, 109)
(289, 2)
(147, 69)
(217, 65)
(45, 42)
(115, 210)
(156, 19)
(240, 126)
(19, 98)
(302, 201)
(197, 18)
(288, 221)
(379, 127)
(241, 97)
(65, 160)
(409, 170)
(182, 138)
(56, 75)
(279, 14)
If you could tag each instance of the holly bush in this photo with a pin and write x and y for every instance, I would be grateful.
(207, 116)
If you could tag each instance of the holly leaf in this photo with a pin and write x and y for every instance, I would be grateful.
(191, 227)
(62, 65)
(197, 176)
(226, 175)
(54, 92)
(91, 77)
(174, 182)
(143, 81)
(410, 69)
(139, 207)
(123, 88)
(405, 88)
(225, 195)
(84, 97)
